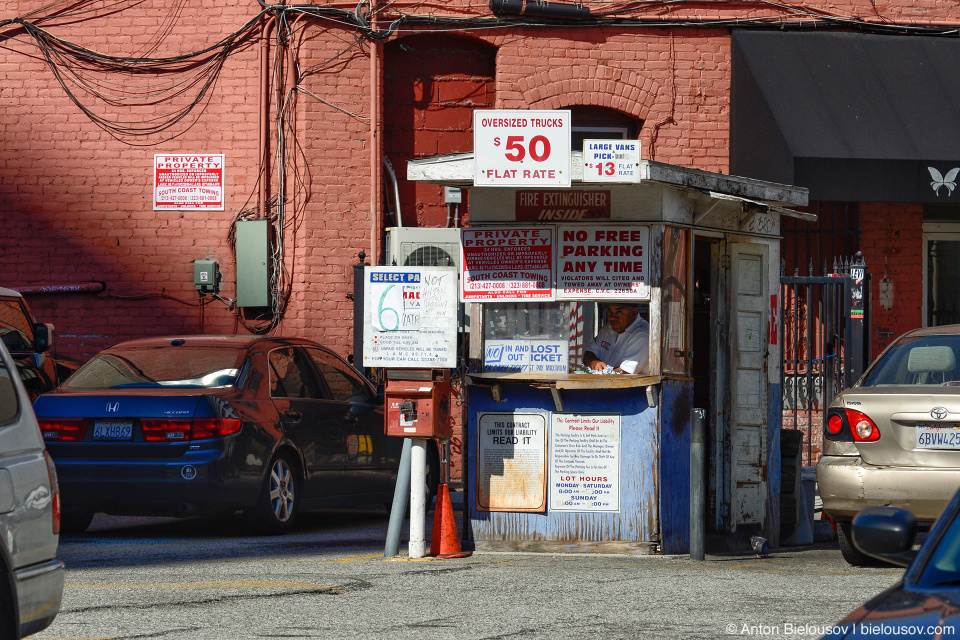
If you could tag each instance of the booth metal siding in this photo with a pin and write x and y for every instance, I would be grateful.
(654, 470)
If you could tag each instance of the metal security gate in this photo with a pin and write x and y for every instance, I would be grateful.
(825, 339)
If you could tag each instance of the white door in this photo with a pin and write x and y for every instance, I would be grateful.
(749, 317)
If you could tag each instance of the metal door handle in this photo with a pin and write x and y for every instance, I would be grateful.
(293, 416)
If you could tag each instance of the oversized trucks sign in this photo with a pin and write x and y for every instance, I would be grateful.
(518, 148)
(192, 182)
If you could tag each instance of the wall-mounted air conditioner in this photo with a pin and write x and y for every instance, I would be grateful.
(426, 247)
(423, 247)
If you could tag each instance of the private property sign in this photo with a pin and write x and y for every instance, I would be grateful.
(188, 181)
(519, 148)
(510, 264)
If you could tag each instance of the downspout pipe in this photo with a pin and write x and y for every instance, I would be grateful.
(263, 123)
(396, 188)
(375, 225)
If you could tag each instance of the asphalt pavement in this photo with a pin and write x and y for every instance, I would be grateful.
(211, 579)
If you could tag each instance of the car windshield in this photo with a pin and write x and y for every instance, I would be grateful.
(15, 329)
(167, 366)
(920, 360)
(943, 567)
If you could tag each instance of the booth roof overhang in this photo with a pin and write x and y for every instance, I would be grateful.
(853, 117)
(457, 170)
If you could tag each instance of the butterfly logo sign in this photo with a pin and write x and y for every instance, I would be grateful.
(948, 181)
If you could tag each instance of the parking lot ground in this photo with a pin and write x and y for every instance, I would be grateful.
(195, 578)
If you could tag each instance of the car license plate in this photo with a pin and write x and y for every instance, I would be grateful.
(938, 436)
(112, 430)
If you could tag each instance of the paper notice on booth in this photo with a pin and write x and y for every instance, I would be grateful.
(585, 462)
(512, 461)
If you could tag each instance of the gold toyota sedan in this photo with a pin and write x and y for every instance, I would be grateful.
(893, 439)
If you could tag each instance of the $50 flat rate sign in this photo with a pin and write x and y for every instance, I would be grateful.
(518, 148)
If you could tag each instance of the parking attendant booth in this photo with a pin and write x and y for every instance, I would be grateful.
(559, 457)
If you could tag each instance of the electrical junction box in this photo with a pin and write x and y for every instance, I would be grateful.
(206, 276)
(253, 274)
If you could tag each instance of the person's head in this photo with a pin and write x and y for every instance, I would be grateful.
(621, 316)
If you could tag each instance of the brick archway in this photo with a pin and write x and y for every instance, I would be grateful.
(602, 86)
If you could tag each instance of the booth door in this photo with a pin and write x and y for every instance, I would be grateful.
(749, 320)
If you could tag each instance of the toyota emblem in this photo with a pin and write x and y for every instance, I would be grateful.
(938, 413)
(113, 407)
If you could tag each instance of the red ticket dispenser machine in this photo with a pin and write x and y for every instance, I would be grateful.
(418, 403)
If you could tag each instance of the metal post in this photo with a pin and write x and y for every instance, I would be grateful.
(858, 309)
(418, 498)
(698, 454)
(399, 508)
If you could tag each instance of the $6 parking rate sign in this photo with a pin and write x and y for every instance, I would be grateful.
(517, 148)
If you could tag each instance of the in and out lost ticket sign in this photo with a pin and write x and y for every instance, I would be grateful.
(188, 181)
(518, 148)
(510, 264)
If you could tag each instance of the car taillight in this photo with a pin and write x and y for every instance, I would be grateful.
(835, 424)
(62, 429)
(214, 427)
(54, 490)
(863, 428)
(172, 430)
(165, 430)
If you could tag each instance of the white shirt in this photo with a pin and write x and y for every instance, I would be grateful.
(631, 345)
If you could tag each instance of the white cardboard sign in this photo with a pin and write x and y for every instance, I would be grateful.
(520, 148)
(585, 462)
(411, 317)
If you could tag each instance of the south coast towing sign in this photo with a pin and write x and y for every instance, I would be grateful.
(191, 182)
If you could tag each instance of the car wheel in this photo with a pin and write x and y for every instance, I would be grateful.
(75, 521)
(9, 620)
(850, 553)
(276, 508)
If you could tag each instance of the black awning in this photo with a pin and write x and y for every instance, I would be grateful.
(852, 117)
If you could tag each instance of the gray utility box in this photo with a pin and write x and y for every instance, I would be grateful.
(253, 273)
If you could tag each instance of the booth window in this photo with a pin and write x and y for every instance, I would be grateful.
(536, 337)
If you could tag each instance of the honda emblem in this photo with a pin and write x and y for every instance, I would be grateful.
(113, 407)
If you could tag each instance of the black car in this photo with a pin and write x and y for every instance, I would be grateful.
(194, 424)
(925, 603)
(29, 342)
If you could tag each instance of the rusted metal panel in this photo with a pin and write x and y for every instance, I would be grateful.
(638, 520)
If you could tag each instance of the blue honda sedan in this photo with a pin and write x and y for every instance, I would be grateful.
(194, 424)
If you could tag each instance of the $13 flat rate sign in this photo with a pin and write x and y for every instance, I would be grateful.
(517, 148)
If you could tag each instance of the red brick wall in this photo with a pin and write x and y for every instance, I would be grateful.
(432, 84)
(891, 235)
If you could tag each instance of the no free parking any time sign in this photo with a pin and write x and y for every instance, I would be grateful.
(518, 148)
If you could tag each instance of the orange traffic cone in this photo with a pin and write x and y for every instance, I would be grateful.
(446, 541)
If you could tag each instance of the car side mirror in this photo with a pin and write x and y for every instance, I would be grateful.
(886, 533)
(42, 337)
